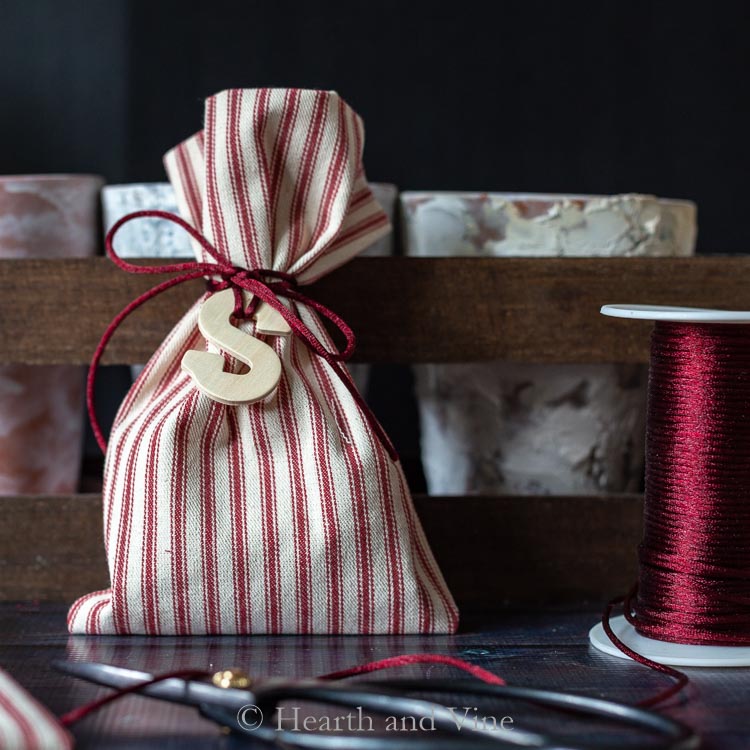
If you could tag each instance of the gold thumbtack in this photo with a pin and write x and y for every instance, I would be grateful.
(231, 678)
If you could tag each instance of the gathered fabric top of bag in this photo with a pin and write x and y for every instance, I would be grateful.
(276, 181)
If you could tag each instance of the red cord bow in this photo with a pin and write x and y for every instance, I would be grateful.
(266, 285)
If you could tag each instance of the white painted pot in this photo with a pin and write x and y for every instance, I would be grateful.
(146, 237)
(516, 428)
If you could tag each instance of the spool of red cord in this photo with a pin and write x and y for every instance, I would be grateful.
(691, 604)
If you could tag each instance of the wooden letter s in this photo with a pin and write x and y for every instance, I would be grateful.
(207, 368)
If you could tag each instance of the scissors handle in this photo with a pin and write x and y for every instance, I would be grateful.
(389, 698)
(273, 735)
(381, 699)
(392, 698)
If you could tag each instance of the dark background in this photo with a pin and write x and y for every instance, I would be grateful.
(590, 97)
(595, 97)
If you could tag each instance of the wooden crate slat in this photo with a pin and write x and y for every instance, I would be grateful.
(494, 551)
(402, 309)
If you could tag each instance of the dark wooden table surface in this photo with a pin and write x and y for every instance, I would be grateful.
(542, 649)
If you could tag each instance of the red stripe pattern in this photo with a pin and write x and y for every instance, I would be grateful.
(25, 724)
(287, 515)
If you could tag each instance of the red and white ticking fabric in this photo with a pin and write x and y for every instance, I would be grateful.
(25, 724)
(287, 515)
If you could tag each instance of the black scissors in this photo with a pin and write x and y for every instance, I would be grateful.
(251, 709)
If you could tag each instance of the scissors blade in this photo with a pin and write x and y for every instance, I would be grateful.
(173, 689)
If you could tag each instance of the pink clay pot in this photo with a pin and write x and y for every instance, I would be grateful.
(41, 407)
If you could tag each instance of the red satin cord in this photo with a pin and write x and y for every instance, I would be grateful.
(694, 578)
(194, 674)
(694, 560)
(266, 285)
(399, 661)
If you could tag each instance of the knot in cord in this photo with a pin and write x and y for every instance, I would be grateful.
(266, 285)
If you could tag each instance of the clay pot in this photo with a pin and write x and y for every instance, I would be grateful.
(42, 407)
(514, 428)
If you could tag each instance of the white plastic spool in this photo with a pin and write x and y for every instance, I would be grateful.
(662, 652)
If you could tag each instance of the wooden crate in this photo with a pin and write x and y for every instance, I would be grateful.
(493, 550)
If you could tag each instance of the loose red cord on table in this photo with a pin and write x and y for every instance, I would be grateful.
(404, 659)
(266, 285)
(694, 560)
(680, 679)
(193, 674)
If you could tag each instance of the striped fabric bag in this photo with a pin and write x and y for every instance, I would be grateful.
(287, 515)
(25, 724)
